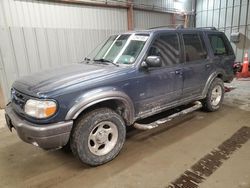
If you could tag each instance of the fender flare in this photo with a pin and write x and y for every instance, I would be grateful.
(209, 82)
(96, 96)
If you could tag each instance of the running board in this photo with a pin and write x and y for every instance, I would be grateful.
(197, 105)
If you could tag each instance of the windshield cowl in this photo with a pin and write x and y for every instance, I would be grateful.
(105, 61)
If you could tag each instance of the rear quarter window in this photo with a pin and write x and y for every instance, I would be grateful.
(219, 45)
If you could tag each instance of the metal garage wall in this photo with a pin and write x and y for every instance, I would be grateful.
(36, 36)
(145, 19)
(228, 16)
(180, 5)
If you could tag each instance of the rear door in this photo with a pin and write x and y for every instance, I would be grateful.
(197, 66)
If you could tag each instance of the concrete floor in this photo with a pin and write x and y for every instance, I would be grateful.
(149, 158)
(2, 119)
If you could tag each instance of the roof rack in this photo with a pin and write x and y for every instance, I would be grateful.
(180, 26)
(164, 26)
(172, 26)
(210, 28)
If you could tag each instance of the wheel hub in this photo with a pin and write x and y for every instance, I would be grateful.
(102, 137)
(216, 95)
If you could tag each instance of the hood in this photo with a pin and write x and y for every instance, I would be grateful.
(51, 80)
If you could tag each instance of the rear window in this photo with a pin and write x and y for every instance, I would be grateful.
(218, 45)
(194, 47)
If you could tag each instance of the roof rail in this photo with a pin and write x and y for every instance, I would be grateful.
(164, 26)
(180, 26)
(210, 28)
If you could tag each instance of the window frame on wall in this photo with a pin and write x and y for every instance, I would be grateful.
(179, 48)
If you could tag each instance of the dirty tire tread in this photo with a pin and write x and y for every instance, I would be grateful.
(66, 148)
(80, 133)
(207, 106)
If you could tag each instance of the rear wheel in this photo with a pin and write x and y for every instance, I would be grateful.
(98, 136)
(215, 96)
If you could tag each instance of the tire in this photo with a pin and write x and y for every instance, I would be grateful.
(66, 148)
(215, 96)
(98, 136)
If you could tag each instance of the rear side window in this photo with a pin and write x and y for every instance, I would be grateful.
(218, 45)
(194, 47)
(167, 47)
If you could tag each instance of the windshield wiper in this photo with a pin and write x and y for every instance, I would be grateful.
(86, 59)
(106, 61)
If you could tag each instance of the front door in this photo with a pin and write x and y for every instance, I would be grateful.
(159, 87)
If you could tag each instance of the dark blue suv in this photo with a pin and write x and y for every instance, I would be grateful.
(129, 77)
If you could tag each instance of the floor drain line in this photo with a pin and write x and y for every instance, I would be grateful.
(206, 166)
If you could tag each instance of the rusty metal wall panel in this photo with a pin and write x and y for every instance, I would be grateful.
(228, 16)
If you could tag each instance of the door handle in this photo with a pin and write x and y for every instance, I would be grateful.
(208, 65)
(179, 72)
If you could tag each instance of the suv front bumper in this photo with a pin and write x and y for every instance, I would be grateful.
(46, 136)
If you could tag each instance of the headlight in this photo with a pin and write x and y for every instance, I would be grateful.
(40, 109)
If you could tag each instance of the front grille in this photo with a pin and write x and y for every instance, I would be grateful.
(18, 98)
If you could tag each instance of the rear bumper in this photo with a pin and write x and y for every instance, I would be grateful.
(46, 136)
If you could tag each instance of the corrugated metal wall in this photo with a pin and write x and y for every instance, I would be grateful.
(228, 16)
(145, 19)
(39, 35)
(156, 3)
(181, 5)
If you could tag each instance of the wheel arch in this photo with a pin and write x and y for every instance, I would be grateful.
(214, 75)
(114, 99)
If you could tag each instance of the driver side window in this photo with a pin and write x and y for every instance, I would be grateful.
(167, 48)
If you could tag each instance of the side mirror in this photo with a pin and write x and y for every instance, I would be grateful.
(152, 61)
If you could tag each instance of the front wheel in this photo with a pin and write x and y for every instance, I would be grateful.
(215, 96)
(98, 136)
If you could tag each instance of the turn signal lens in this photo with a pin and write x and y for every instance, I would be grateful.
(40, 108)
(50, 111)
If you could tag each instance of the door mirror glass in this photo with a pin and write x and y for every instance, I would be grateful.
(153, 61)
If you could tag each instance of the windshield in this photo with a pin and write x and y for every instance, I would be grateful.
(120, 49)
